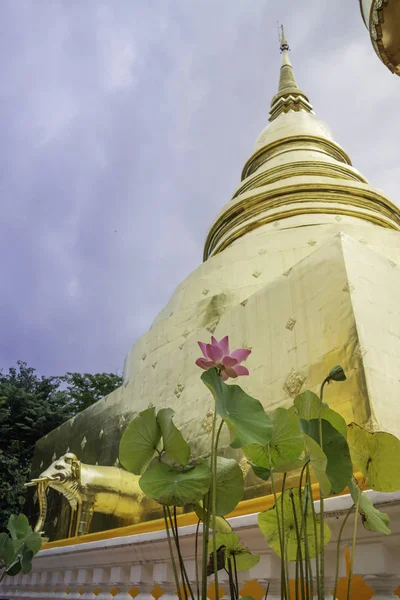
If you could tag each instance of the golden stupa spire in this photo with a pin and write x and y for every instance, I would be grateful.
(287, 78)
(297, 175)
(289, 96)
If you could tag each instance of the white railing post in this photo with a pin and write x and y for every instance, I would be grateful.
(84, 582)
(101, 579)
(383, 586)
(163, 575)
(142, 577)
(120, 578)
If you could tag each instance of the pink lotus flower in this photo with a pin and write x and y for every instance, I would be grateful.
(217, 354)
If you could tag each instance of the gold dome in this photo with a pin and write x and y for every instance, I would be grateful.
(290, 124)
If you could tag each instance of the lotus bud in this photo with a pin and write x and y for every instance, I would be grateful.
(337, 374)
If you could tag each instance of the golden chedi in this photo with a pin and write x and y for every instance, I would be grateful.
(301, 266)
(382, 19)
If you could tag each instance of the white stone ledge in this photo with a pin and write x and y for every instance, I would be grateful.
(142, 560)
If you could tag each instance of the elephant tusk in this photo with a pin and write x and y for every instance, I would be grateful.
(42, 485)
(36, 481)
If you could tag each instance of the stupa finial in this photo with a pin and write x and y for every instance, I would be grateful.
(289, 96)
(283, 40)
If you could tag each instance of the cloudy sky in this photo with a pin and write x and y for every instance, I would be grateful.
(124, 125)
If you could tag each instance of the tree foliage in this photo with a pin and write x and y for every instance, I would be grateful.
(84, 389)
(30, 407)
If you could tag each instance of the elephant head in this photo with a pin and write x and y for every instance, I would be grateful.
(63, 475)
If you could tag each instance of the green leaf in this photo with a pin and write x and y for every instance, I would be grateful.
(26, 560)
(245, 560)
(139, 441)
(175, 445)
(244, 415)
(318, 461)
(339, 469)
(292, 511)
(7, 553)
(285, 445)
(377, 457)
(221, 524)
(34, 542)
(307, 407)
(18, 526)
(230, 485)
(372, 518)
(287, 441)
(234, 548)
(171, 487)
(14, 569)
(261, 472)
(292, 465)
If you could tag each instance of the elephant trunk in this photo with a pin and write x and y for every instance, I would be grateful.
(42, 486)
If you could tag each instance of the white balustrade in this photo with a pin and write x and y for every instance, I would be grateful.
(113, 567)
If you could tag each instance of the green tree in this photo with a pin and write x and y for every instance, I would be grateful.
(83, 389)
(30, 407)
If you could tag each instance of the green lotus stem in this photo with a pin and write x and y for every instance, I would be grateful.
(231, 584)
(206, 529)
(214, 499)
(309, 582)
(179, 556)
(286, 574)
(302, 475)
(299, 555)
(218, 434)
(280, 532)
(267, 591)
(321, 499)
(287, 591)
(185, 578)
(171, 553)
(338, 549)
(236, 576)
(353, 549)
(321, 546)
(309, 574)
(196, 559)
(303, 527)
(315, 536)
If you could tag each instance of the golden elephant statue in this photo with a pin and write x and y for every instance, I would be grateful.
(89, 489)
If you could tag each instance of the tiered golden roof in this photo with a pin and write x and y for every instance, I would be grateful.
(297, 168)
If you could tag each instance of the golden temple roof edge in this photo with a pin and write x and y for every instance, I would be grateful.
(279, 201)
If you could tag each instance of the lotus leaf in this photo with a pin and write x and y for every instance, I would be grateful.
(139, 441)
(173, 487)
(244, 415)
(175, 445)
(268, 524)
(377, 457)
